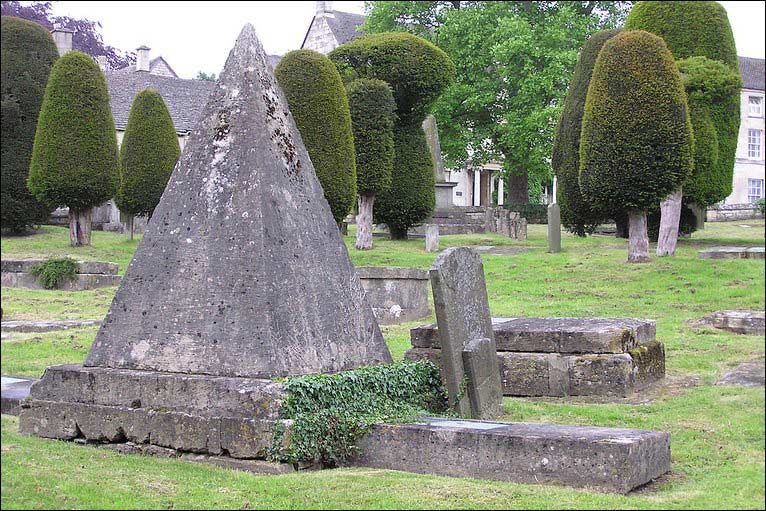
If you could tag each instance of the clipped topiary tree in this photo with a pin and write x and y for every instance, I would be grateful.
(372, 116)
(417, 72)
(317, 99)
(637, 142)
(27, 54)
(697, 29)
(148, 154)
(74, 158)
(577, 214)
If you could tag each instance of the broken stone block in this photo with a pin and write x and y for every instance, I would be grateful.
(483, 382)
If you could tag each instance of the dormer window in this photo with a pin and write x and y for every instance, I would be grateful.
(755, 106)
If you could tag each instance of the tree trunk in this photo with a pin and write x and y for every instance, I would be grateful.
(397, 233)
(670, 211)
(129, 226)
(638, 244)
(79, 227)
(518, 188)
(621, 221)
(364, 222)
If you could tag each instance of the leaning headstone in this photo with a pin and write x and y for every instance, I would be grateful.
(462, 313)
(554, 228)
(432, 238)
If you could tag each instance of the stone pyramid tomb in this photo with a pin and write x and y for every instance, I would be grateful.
(242, 276)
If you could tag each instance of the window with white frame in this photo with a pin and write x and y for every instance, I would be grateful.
(755, 106)
(754, 189)
(754, 140)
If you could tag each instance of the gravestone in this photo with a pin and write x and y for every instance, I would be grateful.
(242, 276)
(554, 228)
(432, 238)
(462, 313)
(443, 187)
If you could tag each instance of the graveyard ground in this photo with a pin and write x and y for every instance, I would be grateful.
(717, 431)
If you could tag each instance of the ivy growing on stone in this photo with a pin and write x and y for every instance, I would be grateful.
(55, 271)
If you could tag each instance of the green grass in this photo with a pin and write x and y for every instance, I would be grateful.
(717, 432)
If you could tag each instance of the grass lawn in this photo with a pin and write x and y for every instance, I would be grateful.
(717, 432)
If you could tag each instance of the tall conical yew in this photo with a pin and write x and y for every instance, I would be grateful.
(148, 154)
(27, 54)
(74, 158)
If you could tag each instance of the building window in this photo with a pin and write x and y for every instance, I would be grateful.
(754, 189)
(755, 106)
(754, 138)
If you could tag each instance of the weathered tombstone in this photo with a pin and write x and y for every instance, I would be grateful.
(432, 238)
(462, 313)
(443, 187)
(554, 228)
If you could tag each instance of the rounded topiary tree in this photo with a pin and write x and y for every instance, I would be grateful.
(148, 154)
(74, 158)
(577, 214)
(697, 29)
(27, 54)
(637, 144)
(417, 72)
(372, 116)
(318, 102)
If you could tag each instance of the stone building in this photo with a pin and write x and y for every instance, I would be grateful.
(330, 28)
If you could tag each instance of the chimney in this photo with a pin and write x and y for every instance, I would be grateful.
(102, 63)
(142, 58)
(324, 9)
(63, 38)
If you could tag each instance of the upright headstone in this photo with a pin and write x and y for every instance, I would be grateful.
(554, 228)
(465, 330)
(432, 238)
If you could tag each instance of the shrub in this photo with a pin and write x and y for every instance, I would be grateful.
(74, 158)
(148, 154)
(577, 214)
(317, 99)
(417, 72)
(53, 272)
(534, 213)
(27, 54)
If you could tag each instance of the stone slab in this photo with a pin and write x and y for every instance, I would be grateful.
(732, 253)
(81, 282)
(557, 375)
(25, 266)
(483, 381)
(395, 294)
(616, 460)
(13, 390)
(747, 374)
(748, 322)
(46, 326)
(556, 335)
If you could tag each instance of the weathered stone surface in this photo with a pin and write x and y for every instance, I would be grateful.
(462, 312)
(557, 335)
(554, 228)
(395, 294)
(557, 375)
(616, 460)
(483, 383)
(747, 322)
(747, 374)
(25, 266)
(432, 238)
(242, 270)
(81, 282)
(732, 253)
(13, 390)
(46, 326)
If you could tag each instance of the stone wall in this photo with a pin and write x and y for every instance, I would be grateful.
(90, 275)
(729, 212)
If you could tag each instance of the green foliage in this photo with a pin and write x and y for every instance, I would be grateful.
(74, 158)
(412, 195)
(534, 213)
(206, 77)
(636, 144)
(761, 205)
(54, 271)
(372, 116)
(27, 54)
(148, 154)
(330, 412)
(693, 30)
(318, 102)
(577, 214)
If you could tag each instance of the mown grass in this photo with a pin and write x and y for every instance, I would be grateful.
(717, 432)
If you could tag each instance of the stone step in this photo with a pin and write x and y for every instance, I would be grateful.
(615, 460)
(556, 335)
(46, 326)
(733, 253)
(557, 375)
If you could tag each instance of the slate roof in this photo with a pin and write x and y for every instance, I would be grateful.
(152, 63)
(342, 24)
(752, 73)
(185, 99)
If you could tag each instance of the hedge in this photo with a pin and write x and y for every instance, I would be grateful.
(74, 158)
(317, 99)
(148, 154)
(637, 142)
(577, 214)
(27, 54)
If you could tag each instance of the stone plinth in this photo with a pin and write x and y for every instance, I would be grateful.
(395, 294)
(615, 460)
(90, 275)
(732, 253)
